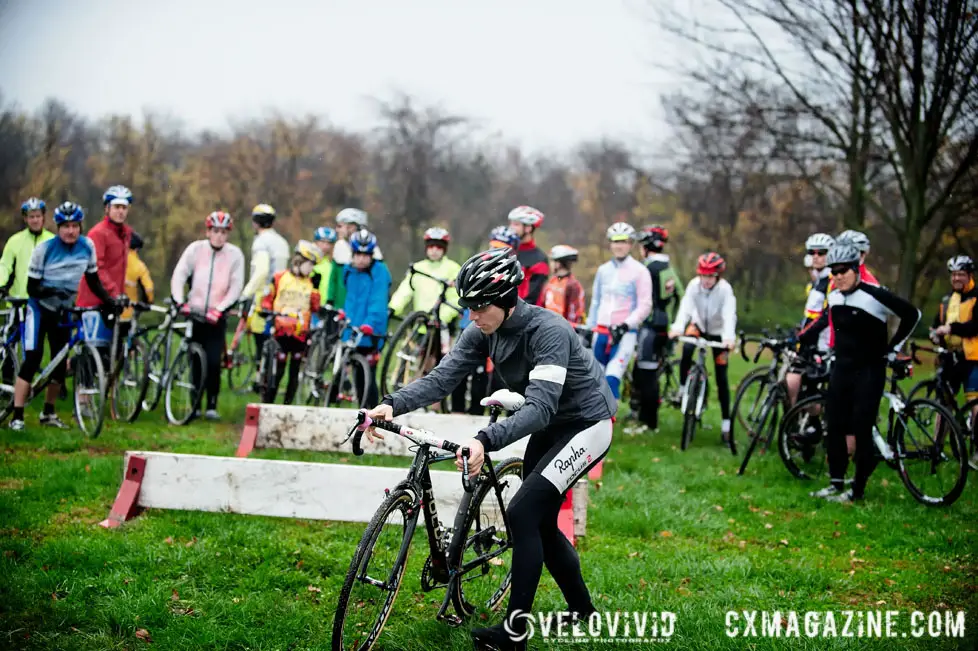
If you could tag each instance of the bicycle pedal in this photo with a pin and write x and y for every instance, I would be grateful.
(451, 620)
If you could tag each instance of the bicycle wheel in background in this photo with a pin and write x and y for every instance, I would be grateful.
(408, 353)
(748, 399)
(312, 386)
(127, 388)
(9, 367)
(691, 398)
(801, 439)
(89, 389)
(151, 388)
(375, 573)
(183, 393)
(241, 365)
(349, 389)
(931, 452)
(267, 369)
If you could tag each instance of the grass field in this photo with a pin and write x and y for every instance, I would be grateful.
(667, 531)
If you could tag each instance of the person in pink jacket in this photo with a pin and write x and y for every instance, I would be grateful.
(216, 271)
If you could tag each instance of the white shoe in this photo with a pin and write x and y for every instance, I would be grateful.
(17, 425)
(828, 491)
(212, 414)
(841, 498)
(52, 420)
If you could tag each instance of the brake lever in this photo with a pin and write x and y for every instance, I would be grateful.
(467, 484)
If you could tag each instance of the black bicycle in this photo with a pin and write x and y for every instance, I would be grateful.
(696, 387)
(923, 442)
(471, 560)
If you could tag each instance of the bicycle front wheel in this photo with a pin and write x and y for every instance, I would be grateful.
(89, 389)
(375, 573)
(801, 439)
(268, 370)
(409, 354)
(691, 400)
(10, 367)
(151, 389)
(932, 455)
(350, 386)
(748, 399)
(127, 388)
(241, 364)
(312, 387)
(185, 384)
(481, 547)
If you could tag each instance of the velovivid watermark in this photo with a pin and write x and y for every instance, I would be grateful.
(566, 627)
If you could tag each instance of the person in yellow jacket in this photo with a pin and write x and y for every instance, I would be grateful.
(294, 294)
(421, 292)
(139, 284)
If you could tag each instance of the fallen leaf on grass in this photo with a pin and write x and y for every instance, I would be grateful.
(313, 588)
(236, 600)
(742, 544)
(682, 491)
(947, 568)
(860, 526)
(718, 507)
(143, 635)
(889, 581)
(190, 543)
(175, 596)
(656, 460)
(665, 534)
(753, 509)
(632, 554)
(642, 583)
(784, 542)
(299, 564)
(731, 520)
(168, 540)
(836, 534)
(88, 468)
(721, 473)
(768, 525)
(495, 560)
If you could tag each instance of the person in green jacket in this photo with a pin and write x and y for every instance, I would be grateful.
(325, 238)
(421, 293)
(667, 290)
(17, 252)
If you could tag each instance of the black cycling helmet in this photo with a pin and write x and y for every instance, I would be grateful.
(489, 278)
(135, 242)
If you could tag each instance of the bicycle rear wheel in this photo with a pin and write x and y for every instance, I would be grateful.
(801, 439)
(349, 388)
(748, 399)
(89, 389)
(481, 547)
(268, 369)
(409, 353)
(183, 393)
(969, 428)
(375, 573)
(312, 386)
(932, 455)
(151, 389)
(241, 364)
(127, 388)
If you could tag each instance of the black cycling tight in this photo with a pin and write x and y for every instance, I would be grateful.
(211, 338)
(852, 404)
(292, 350)
(555, 458)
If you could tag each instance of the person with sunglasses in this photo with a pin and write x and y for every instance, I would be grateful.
(817, 246)
(858, 313)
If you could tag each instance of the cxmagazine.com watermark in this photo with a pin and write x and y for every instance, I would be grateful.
(845, 623)
(609, 626)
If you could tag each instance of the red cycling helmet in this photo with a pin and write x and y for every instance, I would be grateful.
(219, 219)
(654, 235)
(710, 263)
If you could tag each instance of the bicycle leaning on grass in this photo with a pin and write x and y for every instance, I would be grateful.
(471, 559)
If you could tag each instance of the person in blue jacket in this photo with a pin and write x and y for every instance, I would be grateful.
(368, 284)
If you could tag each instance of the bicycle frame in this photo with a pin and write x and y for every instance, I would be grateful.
(74, 339)
(699, 366)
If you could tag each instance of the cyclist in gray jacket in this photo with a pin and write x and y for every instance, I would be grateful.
(568, 415)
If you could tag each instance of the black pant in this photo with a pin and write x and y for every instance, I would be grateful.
(719, 370)
(852, 404)
(260, 339)
(211, 338)
(370, 353)
(291, 352)
(533, 511)
(47, 326)
(645, 377)
(477, 384)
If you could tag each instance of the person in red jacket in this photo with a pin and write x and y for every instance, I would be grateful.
(524, 220)
(111, 238)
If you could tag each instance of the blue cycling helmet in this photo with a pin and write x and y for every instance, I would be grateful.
(33, 204)
(505, 235)
(363, 241)
(324, 234)
(117, 194)
(68, 212)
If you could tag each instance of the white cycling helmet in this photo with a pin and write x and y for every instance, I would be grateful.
(854, 238)
(819, 242)
(961, 263)
(563, 253)
(352, 216)
(620, 232)
(527, 215)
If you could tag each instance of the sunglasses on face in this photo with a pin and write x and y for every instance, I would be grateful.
(817, 252)
(841, 269)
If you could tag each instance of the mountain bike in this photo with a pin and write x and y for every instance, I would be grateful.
(128, 365)
(923, 442)
(171, 371)
(418, 343)
(696, 387)
(471, 559)
(89, 375)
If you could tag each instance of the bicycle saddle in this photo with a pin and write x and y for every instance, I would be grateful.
(508, 400)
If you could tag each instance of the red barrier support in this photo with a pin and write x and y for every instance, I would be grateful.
(126, 502)
(250, 433)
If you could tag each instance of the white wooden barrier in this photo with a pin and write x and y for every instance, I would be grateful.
(285, 489)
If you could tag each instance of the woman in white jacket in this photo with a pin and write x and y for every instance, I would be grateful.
(709, 310)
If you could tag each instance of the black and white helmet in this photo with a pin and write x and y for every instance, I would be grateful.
(854, 238)
(961, 263)
(819, 242)
(842, 254)
(492, 276)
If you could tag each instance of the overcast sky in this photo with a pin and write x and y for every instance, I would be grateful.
(545, 73)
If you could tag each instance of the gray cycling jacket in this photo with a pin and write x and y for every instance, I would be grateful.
(535, 353)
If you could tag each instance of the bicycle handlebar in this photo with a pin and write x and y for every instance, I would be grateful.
(936, 350)
(445, 285)
(700, 341)
(364, 422)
